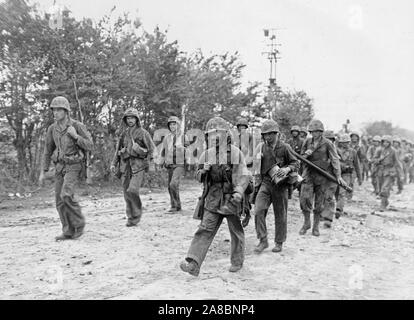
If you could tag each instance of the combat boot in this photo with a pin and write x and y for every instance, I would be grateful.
(62, 237)
(78, 233)
(235, 268)
(278, 247)
(306, 224)
(315, 229)
(338, 213)
(263, 244)
(191, 267)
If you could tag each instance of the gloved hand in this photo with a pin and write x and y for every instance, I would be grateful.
(308, 153)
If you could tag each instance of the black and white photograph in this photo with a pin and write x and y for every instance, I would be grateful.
(220, 152)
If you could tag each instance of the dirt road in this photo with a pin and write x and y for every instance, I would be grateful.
(363, 256)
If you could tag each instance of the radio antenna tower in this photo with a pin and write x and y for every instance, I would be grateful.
(273, 55)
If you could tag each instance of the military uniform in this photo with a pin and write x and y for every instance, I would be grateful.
(133, 159)
(317, 189)
(269, 193)
(226, 182)
(349, 164)
(400, 156)
(361, 158)
(372, 154)
(174, 145)
(388, 168)
(69, 157)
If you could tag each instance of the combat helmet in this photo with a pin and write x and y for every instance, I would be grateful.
(387, 138)
(376, 138)
(329, 134)
(60, 102)
(316, 125)
(131, 112)
(242, 122)
(295, 128)
(344, 138)
(354, 133)
(216, 124)
(269, 126)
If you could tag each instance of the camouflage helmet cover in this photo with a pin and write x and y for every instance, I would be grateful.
(316, 125)
(386, 138)
(354, 133)
(376, 138)
(216, 123)
(303, 129)
(242, 122)
(130, 112)
(329, 134)
(60, 102)
(270, 126)
(295, 128)
(344, 138)
(396, 139)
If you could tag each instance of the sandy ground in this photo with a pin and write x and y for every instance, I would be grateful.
(364, 256)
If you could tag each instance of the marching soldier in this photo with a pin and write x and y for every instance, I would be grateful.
(316, 189)
(295, 140)
(295, 143)
(175, 143)
(372, 153)
(303, 133)
(276, 161)
(223, 171)
(330, 135)
(67, 144)
(396, 143)
(133, 155)
(355, 144)
(388, 168)
(349, 164)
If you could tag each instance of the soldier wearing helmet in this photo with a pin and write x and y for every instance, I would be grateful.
(67, 144)
(317, 190)
(388, 169)
(330, 135)
(361, 153)
(222, 170)
(174, 145)
(295, 140)
(133, 155)
(303, 133)
(372, 154)
(396, 143)
(275, 165)
(349, 164)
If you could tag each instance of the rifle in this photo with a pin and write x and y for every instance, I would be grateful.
(322, 172)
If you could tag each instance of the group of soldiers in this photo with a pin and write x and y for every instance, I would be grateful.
(232, 186)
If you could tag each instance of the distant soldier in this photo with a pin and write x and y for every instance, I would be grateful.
(225, 182)
(355, 144)
(365, 142)
(276, 162)
(330, 135)
(388, 166)
(67, 144)
(133, 155)
(349, 164)
(175, 143)
(245, 137)
(316, 189)
(396, 143)
(303, 133)
(296, 143)
(372, 154)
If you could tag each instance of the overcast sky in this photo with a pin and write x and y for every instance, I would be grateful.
(354, 58)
